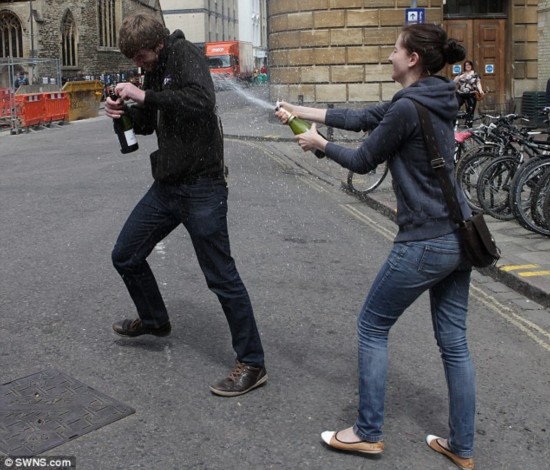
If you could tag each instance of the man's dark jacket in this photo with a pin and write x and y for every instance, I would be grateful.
(180, 105)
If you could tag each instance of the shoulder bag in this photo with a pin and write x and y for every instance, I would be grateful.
(477, 242)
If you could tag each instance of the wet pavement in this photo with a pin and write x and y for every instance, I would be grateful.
(525, 262)
(307, 263)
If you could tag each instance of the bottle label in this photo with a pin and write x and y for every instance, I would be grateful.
(130, 137)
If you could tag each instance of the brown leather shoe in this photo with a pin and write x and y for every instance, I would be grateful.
(440, 445)
(331, 438)
(132, 328)
(242, 379)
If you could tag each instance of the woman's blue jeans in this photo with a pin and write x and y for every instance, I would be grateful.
(201, 206)
(412, 268)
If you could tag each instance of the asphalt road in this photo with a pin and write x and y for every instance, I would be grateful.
(307, 253)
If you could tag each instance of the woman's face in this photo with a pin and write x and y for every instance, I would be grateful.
(401, 61)
(468, 66)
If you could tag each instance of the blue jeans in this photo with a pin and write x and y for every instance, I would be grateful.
(412, 268)
(201, 206)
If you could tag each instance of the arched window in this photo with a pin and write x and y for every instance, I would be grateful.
(106, 11)
(11, 36)
(68, 40)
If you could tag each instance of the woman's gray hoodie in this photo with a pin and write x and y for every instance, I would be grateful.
(396, 136)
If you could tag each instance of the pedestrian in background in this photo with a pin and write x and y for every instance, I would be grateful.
(426, 255)
(20, 80)
(178, 103)
(468, 88)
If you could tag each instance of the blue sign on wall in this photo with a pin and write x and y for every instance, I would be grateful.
(415, 15)
(457, 68)
(489, 68)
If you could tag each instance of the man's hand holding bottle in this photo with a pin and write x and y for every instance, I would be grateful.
(114, 108)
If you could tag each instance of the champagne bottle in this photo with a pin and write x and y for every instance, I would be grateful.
(299, 126)
(124, 129)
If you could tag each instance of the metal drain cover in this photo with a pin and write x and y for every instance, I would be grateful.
(46, 409)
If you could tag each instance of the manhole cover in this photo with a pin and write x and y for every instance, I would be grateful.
(46, 409)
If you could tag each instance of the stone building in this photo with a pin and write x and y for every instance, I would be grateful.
(337, 50)
(543, 44)
(63, 40)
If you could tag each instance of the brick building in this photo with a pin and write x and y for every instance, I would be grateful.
(337, 50)
(543, 44)
(80, 36)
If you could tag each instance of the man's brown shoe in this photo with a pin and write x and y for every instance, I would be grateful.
(440, 445)
(242, 379)
(132, 328)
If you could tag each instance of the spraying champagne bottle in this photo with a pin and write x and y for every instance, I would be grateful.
(124, 129)
(299, 126)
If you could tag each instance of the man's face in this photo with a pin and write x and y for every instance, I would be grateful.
(147, 58)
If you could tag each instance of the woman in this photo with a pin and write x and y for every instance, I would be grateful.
(426, 254)
(467, 84)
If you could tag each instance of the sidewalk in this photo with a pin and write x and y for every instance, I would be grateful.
(525, 262)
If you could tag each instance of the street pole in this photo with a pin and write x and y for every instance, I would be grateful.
(32, 28)
(31, 19)
(414, 3)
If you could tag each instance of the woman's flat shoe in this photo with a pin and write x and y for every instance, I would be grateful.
(331, 438)
(440, 445)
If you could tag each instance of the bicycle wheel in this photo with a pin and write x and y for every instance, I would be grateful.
(523, 186)
(361, 185)
(546, 209)
(467, 173)
(537, 201)
(493, 187)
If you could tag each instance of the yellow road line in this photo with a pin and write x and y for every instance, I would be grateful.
(313, 184)
(532, 330)
(370, 222)
(535, 332)
(518, 267)
(534, 273)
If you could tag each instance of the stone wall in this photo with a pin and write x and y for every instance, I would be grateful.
(524, 54)
(336, 50)
(543, 44)
(92, 60)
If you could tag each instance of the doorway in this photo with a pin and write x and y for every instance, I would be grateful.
(485, 43)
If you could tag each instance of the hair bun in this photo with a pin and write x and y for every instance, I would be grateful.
(453, 51)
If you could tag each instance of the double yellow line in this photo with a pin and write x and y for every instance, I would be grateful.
(525, 270)
(532, 330)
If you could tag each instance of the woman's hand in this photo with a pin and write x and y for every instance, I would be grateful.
(283, 110)
(311, 140)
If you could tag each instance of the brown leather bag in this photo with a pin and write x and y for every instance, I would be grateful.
(477, 242)
(479, 96)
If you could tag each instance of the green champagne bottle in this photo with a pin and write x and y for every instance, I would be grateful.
(299, 126)
(124, 129)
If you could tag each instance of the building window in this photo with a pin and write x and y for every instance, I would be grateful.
(68, 44)
(11, 36)
(107, 22)
(474, 7)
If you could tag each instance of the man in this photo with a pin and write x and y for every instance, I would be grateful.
(178, 103)
(21, 80)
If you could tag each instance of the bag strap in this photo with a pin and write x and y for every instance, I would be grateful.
(438, 163)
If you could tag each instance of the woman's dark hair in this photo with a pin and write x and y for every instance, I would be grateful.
(469, 62)
(433, 46)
